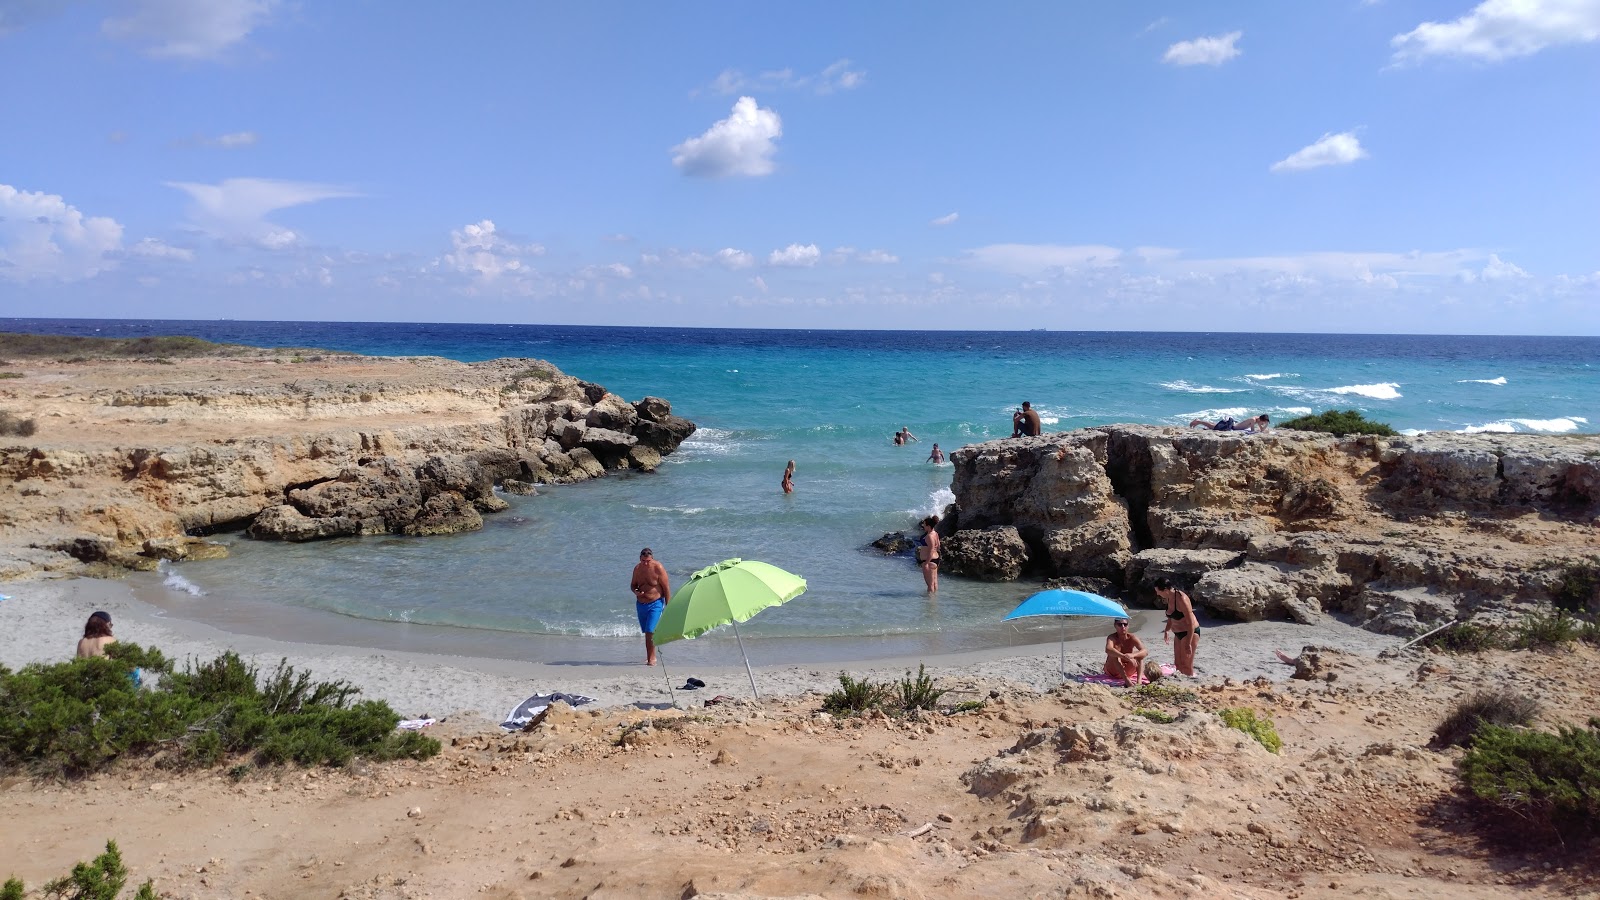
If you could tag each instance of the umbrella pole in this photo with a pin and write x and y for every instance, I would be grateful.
(661, 657)
(746, 661)
(1063, 647)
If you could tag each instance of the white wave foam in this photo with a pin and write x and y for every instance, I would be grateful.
(1049, 420)
(1500, 380)
(176, 582)
(1508, 426)
(685, 510)
(1412, 432)
(1494, 427)
(1188, 388)
(1295, 410)
(1271, 376)
(935, 504)
(1211, 415)
(1387, 390)
(710, 442)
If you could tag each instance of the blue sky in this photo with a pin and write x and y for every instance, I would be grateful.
(1356, 166)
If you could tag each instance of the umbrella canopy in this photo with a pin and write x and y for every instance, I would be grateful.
(1065, 602)
(730, 592)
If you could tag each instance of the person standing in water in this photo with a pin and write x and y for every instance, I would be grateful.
(904, 436)
(651, 588)
(928, 553)
(788, 478)
(937, 456)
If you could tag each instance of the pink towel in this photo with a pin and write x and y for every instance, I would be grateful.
(1113, 681)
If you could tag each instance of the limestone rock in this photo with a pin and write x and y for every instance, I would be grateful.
(997, 553)
(1249, 593)
(285, 523)
(445, 513)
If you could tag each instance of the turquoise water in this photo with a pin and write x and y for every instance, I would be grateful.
(559, 563)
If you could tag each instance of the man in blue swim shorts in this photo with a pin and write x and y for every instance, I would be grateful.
(651, 588)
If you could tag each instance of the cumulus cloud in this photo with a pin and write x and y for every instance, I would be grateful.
(735, 259)
(1034, 259)
(481, 251)
(1497, 30)
(838, 76)
(1497, 269)
(795, 256)
(741, 144)
(150, 248)
(1331, 150)
(188, 29)
(1205, 51)
(44, 237)
(944, 220)
(235, 210)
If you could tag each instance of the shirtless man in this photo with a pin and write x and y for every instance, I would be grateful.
(904, 436)
(1025, 421)
(651, 589)
(1125, 654)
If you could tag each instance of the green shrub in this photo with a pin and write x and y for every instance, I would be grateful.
(854, 696)
(1258, 727)
(14, 344)
(1164, 693)
(1464, 637)
(1156, 716)
(1551, 780)
(74, 718)
(10, 374)
(14, 890)
(919, 693)
(967, 706)
(99, 879)
(1579, 587)
(1339, 422)
(1540, 630)
(1481, 710)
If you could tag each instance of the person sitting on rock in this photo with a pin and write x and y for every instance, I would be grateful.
(1125, 654)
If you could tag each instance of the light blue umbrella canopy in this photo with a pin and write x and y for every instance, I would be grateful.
(1067, 602)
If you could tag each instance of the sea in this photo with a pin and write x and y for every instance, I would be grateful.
(548, 578)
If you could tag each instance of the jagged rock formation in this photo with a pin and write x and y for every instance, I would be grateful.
(1399, 531)
(131, 456)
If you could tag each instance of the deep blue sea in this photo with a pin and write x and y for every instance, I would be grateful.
(558, 564)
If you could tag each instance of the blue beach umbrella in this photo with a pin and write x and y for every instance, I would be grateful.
(1066, 602)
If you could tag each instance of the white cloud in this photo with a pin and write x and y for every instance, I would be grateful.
(945, 220)
(741, 144)
(235, 210)
(1496, 30)
(795, 255)
(1206, 51)
(1033, 259)
(1497, 269)
(735, 259)
(44, 237)
(759, 283)
(1330, 150)
(235, 139)
(481, 251)
(877, 257)
(188, 29)
(150, 248)
(838, 76)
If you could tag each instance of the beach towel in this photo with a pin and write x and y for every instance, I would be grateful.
(1114, 681)
(415, 724)
(523, 712)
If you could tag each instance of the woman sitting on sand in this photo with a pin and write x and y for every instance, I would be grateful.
(96, 635)
(928, 553)
(1125, 654)
(1183, 628)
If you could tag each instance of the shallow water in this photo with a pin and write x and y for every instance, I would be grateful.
(558, 564)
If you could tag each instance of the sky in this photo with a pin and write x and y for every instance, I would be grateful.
(1379, 166)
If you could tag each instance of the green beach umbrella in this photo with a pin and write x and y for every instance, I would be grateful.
(730, 592)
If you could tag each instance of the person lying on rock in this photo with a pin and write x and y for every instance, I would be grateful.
(1249, 426)
(1125, 654)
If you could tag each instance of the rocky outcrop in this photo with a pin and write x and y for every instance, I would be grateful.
(130, 457)
(1400, 533)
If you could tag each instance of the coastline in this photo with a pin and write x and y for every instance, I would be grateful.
(42, 616)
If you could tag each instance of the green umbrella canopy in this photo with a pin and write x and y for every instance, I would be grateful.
(730, 591)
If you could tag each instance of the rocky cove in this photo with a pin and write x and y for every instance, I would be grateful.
(1401, 533)
(132, 461)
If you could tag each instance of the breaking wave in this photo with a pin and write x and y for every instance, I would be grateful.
(1188, 388)
(1500, 380)
(1387, 390)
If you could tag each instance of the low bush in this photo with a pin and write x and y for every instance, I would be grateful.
(12, 424)
(1164, 693)
(1481, 710)
(854, 695)
(22, 346)
(1540, 630)
(1464, 637)
(75, 718)
(1258, 727)
(919, 692)
(967, 706)
(1339, 422)
(1549, 780)
(10, 374)
(1578, 588)
(1156, 716)
(99, 879)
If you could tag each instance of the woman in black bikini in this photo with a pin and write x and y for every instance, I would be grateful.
(1183, 629)
(928, 553)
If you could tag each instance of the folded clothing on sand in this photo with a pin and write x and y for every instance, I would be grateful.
(414, 724)
(524, 712)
